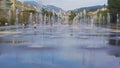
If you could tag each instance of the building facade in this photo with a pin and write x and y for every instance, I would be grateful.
(4, 7)
(18, 7)
(13, 6)
(15, 11)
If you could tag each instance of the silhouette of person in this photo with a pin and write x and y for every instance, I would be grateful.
(35, 25)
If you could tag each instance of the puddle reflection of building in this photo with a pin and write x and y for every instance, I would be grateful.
(43, 33)
(38, 58)
(88, 59)
(35, 31)
(26, 57)
(116, 53)
(52, 52)
(83, 60)
(51, 30)
(71, 30)
(92, 59)
(114, 39)
(1, 49)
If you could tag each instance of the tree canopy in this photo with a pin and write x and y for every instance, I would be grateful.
(114, 5)
(72, 15)
(114, 8)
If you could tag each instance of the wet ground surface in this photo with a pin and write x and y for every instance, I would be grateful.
(60, 46)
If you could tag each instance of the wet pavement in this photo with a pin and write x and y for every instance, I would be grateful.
(60, 46)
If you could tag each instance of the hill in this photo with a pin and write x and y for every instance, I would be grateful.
(91, 8)
(47, 7)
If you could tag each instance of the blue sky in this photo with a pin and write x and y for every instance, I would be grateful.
(72, 4)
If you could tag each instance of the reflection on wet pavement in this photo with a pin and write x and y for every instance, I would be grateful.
(60, 47)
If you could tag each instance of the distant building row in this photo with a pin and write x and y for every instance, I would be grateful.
(13, 5)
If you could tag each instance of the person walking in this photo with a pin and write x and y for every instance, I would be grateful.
(35, 25)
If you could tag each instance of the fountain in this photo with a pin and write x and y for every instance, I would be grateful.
(103, 20)
(76, 19)
(45, 19)
(108, 19)
(100, 19)
(36, 18)
(84, 13)
(49, 19)
(60, 17)
(81, 18)
(21, 17)
(53, 17)
(9, 14)
(17, 17)
(92, 22)
(117, 28)
(31, 19)
(40, 18)
(117, 20)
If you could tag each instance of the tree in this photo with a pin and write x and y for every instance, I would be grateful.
(114, 8)
(3, 21)
(72, 15)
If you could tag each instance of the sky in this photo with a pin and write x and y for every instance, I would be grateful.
(72, 4)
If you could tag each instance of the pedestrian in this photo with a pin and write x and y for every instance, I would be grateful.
(6, 24)
(35, 25)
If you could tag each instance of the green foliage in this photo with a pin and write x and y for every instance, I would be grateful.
(12, 21)
(3, 21)
(30, 11)
(43, 12)
(114, 7)
(104, 13)
(26, 15)
(47, 13)
(72, 15)
(51, 14)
